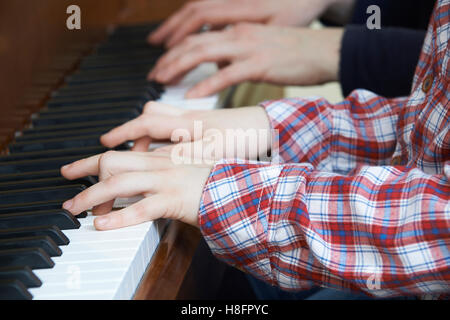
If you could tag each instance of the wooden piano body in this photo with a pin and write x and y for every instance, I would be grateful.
(36, 52)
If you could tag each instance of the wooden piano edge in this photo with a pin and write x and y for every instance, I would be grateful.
(170, 263)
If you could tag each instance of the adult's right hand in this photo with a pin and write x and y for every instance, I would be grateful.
(219, 13)
(254, 52)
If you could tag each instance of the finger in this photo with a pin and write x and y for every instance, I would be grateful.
(155, 127)
(166, 28)
(158, 108)
(200, 151)
(188, 45)
(103, 208)
(120, 186)
(231, 75)
(82, 168)
(218, 13)
(141, 144)
(205, 52)
(110, 163)
(177, 21)
(131, 130)
(148, 209)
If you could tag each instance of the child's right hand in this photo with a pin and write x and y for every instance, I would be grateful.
(227, 133)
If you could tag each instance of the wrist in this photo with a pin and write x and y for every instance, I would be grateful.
(332, 38)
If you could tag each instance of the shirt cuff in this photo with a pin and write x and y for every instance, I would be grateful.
(233, 215)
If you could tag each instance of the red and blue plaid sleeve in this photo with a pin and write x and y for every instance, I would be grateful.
(382, 230)
(358, 195)
(335, 138)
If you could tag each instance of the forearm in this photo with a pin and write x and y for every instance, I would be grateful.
(383, 230)
(334, 137)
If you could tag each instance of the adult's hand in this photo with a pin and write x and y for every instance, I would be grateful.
(219, 13)
(254, 52)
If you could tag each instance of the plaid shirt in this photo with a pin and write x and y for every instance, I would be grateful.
(361, 197)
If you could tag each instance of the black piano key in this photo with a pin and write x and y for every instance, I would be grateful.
(35, 258)
(43, 242)
(61, 218)
(47, 182)
(83, 79)
(76, 126)
(23, 274)
(30, 175)
(98, 107)
(132, 104)
(91, 88)
(137, 55)
(30, 136)
(125, 47)
(57, 153)
(13, 289)
(111, 86)
(115, 74)
(92, 65)
(24, 166)
(55, 144)
(70, 118)
(31, 206)
(39, 194)
(90, 91)
(101, 98)
(51, 231)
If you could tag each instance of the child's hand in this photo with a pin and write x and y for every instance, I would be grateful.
(170, 191)
(164, 122)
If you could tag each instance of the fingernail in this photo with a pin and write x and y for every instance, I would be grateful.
(102, 222)
(68, 204)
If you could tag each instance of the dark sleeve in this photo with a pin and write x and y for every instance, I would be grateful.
(411, 14)
(382, 61)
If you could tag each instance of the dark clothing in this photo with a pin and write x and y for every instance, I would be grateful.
(411, 14)
(384, 61)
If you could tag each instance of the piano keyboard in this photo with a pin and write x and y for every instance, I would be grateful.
(45, 252)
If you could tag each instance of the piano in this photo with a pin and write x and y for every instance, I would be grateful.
(45, 252)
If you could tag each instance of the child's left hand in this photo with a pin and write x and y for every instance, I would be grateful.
(171, 190)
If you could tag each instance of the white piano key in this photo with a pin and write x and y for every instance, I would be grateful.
(101, 265)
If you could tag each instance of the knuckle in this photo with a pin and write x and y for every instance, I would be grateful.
(188, 41)
(118, 219)
(113, 182)
(202, 50)
(140, 212)
(107, 159)
(149, 107)
(225, 76)
(80, 198)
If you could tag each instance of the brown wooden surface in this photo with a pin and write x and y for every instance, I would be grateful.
(37, 51)
(166, 272)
